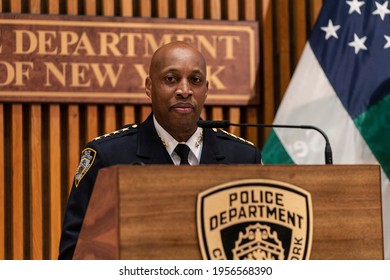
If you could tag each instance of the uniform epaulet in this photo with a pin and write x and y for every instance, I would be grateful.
(127, 128)
(234, 136)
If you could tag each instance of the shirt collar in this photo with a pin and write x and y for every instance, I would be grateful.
(195, 142)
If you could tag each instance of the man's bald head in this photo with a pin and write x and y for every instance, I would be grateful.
(164, 52)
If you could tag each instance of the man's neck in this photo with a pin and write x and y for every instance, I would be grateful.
(182, 136)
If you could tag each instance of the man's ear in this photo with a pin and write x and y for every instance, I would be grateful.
(148, 87)
(207, 87)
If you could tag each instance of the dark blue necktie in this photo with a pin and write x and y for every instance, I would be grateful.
(182, 150)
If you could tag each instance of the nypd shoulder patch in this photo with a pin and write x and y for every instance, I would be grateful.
(87, 158)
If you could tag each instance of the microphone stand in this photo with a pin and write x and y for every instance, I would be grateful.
(226, 124)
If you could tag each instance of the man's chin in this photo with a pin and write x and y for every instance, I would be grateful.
(186, 123)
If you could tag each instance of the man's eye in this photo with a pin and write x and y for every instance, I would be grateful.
(196, 80)
(170, 79)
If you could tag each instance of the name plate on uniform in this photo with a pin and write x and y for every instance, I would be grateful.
(255, 220)
(48, 58)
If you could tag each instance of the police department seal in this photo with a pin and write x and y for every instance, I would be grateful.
(255, 220)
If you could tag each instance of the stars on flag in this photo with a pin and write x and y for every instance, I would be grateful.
(358, 43)
(387, 46)
(381, 10)
(354, 6)
(331, 30)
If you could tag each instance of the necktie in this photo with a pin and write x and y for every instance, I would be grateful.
(182, 150)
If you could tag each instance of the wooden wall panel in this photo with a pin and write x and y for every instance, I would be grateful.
(215, 14)
(73, 119)
(91, 126)
(181, 9)
(17, 182)
(40, 144)
(126, 8)
(73, 143)
(2, 185)
(16, 6)
(55, 165)
(128, 113)
(282, 31)
(267, 62)
(315, 7)
(145, 11)
(35, 6)
(109, 110)
(35, 170)
(233, 10)
(53, 6)
(299, 21)
(17, 176)
(36, 191)
(252, 113)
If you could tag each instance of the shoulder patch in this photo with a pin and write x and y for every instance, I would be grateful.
(236, 137)
(125, 129)
(87, 158)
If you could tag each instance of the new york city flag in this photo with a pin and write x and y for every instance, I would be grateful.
(341, 85)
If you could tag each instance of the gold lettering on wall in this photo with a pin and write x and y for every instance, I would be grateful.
(89, 56)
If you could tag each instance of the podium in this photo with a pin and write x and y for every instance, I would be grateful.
(149, 212)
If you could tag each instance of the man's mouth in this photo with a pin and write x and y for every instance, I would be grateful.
(183, 108)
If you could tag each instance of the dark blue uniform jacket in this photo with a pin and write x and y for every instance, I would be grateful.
(139, 145)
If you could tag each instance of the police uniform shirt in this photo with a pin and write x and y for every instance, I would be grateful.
(195, 143)
(141, 144)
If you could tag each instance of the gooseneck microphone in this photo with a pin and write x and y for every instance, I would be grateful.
(226, 124)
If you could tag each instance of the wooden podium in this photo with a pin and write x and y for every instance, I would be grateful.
(149, 212)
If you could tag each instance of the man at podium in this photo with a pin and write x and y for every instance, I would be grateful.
(177, 87)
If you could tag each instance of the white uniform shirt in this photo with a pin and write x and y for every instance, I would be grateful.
(195, 143)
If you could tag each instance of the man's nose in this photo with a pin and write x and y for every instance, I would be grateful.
(184, 89)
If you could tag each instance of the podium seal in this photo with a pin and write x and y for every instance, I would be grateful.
(255, 220)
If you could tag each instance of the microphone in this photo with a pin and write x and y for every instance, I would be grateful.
(226, 124)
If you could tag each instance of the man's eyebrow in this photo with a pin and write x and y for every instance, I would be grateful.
(198, 71)
(172, 69)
